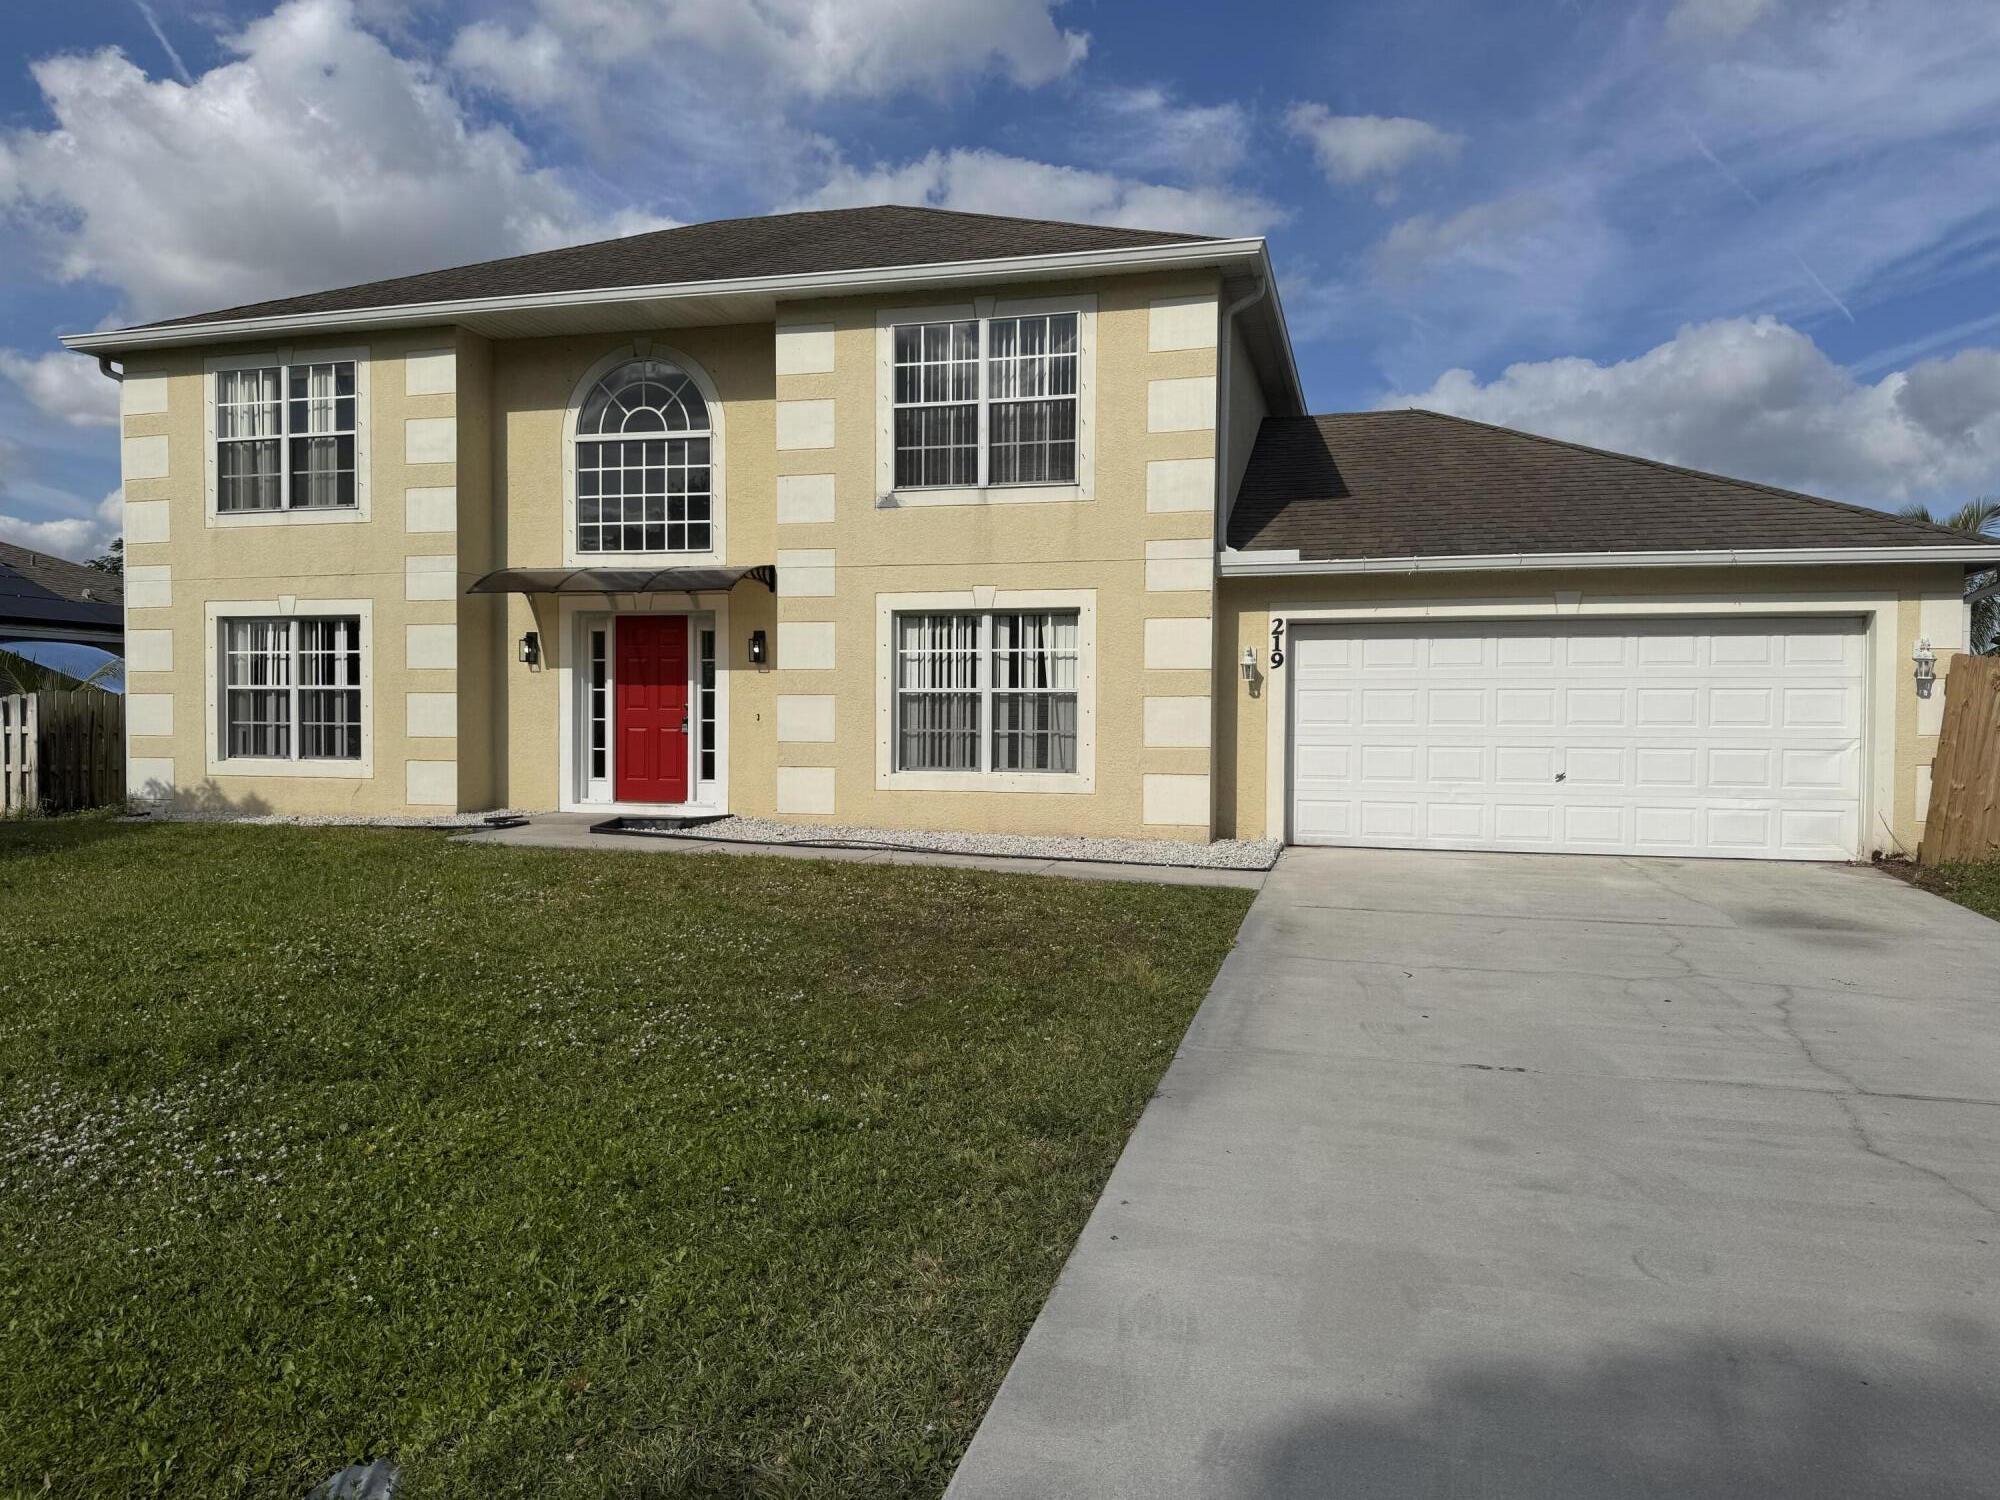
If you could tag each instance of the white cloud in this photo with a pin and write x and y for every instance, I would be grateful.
(1501, 233)
(1759, 399)
(78, 537)
(317, 157)
(988, 182)
(731, 88)
(1715, 20)
(1354, 148)
(65, 386)
(825, 48)
(1148, 130)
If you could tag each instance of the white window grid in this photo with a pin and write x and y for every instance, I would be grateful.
(291, 689)
(959, 674)
(286, 437)
(644, 483)
(986, 402)
(600, 704)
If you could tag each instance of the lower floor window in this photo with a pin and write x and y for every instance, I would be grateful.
(292, 689)
(986, 691)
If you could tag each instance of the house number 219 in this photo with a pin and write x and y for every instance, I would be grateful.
(1277, 644)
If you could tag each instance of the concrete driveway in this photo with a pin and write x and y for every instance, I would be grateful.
(1506, 1176)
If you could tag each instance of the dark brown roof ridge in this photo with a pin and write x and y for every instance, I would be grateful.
(895, 219)
(1928, 527)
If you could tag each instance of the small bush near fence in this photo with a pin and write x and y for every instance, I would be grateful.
(61, 751)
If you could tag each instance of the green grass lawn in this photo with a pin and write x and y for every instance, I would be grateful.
(1973, 885)
(544, 1174)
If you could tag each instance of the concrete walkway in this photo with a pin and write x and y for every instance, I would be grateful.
(1522, 1176)
(572, 831)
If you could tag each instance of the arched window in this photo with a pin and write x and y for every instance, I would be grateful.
(642, 463)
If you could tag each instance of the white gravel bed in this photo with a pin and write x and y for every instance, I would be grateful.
(1223, 854)
(316, 820)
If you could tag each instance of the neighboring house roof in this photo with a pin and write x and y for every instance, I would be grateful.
(801, 244)
(50, 598)
(1420, 484)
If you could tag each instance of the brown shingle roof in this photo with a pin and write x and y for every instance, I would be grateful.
(800, 244)
(1422, 484)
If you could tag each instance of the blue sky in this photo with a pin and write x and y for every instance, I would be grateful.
(1761, 236)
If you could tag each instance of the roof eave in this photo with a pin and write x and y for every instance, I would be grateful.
(1287, 563)
(1122, 260)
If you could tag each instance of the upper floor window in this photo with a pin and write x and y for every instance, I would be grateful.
(643, 481)
(986, 401)
(285, 437)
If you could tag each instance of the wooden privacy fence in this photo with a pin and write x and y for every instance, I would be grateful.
(1964, 820)
(61, 751)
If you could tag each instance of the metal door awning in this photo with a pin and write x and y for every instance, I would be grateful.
(622, 580)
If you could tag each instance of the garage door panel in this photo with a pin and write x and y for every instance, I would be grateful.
(1455, 707)
(1828, 770)
(1455, 763)
(1444, 652)
(1665, 766)
(1597, 765)
(1732, 737)
(1666, 830)
(1448, 823)
(1381, 706)
(1594, 708)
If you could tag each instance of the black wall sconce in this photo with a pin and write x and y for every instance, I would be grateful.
(531, 648)
(759, 649)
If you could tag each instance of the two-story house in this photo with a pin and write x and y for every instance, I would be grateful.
(907, 518)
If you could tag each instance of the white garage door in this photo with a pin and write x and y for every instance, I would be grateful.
(1705, 737)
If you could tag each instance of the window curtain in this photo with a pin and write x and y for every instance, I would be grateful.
(937, 692)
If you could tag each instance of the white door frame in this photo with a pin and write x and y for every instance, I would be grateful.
(577, 614)
(1878, 748)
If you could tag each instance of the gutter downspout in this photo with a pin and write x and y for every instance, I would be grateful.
(1225, 358)
(108, 370)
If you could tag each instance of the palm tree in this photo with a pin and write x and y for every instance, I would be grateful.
(1975, 518)
(20, 675)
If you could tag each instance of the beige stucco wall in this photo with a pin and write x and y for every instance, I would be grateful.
(812, 426)
(1151, 410)
(1901, 602)
(180, 561)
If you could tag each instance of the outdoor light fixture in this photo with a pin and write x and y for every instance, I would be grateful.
(1249, 662)
(1926, 660)
(758, 652)
(531, 648)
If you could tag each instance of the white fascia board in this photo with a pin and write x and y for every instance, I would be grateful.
(1287, 563)
(1013, 267)
(1284, 328)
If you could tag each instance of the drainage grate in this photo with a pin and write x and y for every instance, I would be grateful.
(643, 826)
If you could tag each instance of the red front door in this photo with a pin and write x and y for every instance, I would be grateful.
(652, 708)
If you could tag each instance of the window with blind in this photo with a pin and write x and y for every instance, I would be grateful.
(291, 689)
(988, 691)
(286, 437)
(986, 401)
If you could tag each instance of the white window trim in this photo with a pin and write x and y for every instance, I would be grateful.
(288, 607)
(286, 357)
(576, 616)
(981, 601)
(887, 319)
(718, 488)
